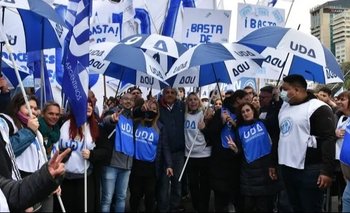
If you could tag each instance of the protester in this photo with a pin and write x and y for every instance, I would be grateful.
(325, 94)
(5, 97)
(198, 152)
(343, 106)
(217, 104)
(250, 91)
(225, 163)
(258, 178)
(137, 94)
(115, 173)
(346, 195)
(49, 125)
(306, 145)
(88, 143)
(181, 94)
(26, 140)
(172, 116)
(151, 143)
(20, 195)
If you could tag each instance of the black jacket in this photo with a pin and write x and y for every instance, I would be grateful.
(32, 189)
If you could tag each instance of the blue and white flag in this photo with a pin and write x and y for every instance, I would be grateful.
(42, 85)
(76, 59)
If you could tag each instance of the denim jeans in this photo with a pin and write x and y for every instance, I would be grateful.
(114, 181)
(302, 188)
(171, 202)
(346, 197)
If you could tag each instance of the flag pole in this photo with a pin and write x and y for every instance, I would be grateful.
(2, 44)
(188, 156)
(8, 47)
(85, 173)
(290, 9)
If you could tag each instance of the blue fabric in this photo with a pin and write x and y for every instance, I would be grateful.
(308, 69)
(146, 142)
(124, 138)
(44, 9)
(114, 181)
(227, 130)
(345, 149)
(34, 64)
(346, 197)
(255, 141)
(209, 53)
(265, 36)
(39, 34)
(73, 87)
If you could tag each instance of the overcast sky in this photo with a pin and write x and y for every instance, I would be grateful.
(300, 12)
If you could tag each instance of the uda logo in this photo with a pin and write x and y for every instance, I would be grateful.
(286, 126)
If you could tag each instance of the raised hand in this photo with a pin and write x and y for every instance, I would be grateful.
(55, 166)
(115, 116)
(231, 144)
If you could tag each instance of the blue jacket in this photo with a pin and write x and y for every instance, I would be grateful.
(173, 122)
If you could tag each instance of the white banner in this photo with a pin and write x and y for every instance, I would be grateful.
(205, 26)
(251, 17)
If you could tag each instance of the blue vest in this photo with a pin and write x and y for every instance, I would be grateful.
(255, 141)
(227, 130)
(345, 149)
(146, 141)
(124, 139)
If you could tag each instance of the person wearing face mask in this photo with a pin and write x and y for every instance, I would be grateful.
(26, 140)
(150, 144)
(306, 146)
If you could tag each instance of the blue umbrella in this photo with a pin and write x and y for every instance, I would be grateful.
(126, 63)
(210, 63)
(30, 31)
(165, 50)
(304, 54)
(9, 73)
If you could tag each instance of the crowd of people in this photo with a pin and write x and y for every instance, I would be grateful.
(276, 149)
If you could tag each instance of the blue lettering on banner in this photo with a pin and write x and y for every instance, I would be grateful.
(207, 28)
(302, 49)
(187, 79)
(161, 45)
(255, 23)
(22, 57)
(147, 80)
(241, 68)
(274, 61)
(104, 29)
(188, 45)
(75, 82)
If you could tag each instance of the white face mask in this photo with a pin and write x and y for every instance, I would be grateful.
(284, 96)
(205, 104)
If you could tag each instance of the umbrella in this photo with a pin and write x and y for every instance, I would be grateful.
(31, 30)
(162, 48)
(308, 57)
(9, 73)
(124, 62)
(210, 63)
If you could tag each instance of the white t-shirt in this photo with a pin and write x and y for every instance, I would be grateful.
(3, 203)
